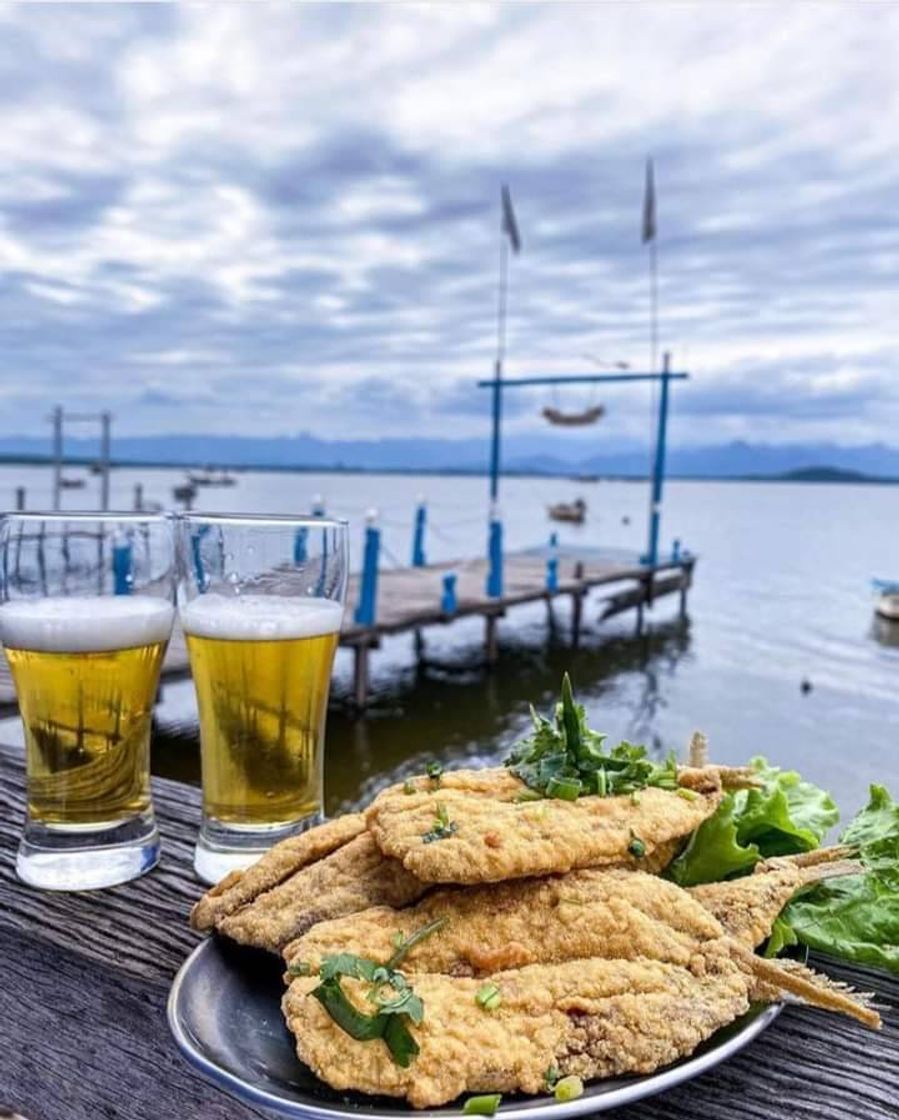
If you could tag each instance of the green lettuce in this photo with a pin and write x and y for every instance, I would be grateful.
(784, 816)
(856, 917)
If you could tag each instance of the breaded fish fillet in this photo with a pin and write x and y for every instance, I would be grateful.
(618, 913)
(593, 1018)
(489, 839)
(352, 878)
(590, 913)
(280, 861)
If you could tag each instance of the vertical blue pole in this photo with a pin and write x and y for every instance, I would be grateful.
(300, 551)
(418, 540)
(368, 592)
(552, 563)
(495, 555)
(658, 473)
(121, 568)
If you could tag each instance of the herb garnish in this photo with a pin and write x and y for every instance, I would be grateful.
(408, 786)
(482, 1106)
(443, 827)
(563, 758)
(637, 848)
(389, 990)
(434, 771)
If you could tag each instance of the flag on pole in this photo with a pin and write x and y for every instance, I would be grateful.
(649, 205)
(510, 225)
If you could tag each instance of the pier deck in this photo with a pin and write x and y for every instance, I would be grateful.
(409, 599)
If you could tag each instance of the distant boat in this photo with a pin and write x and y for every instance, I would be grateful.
(211, 478)
(573, 512)
(71, 483)
(886, 605)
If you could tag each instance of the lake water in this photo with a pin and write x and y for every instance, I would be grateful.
(781, 595)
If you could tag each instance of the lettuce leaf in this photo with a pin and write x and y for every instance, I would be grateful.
(856, 918)
(786, 815)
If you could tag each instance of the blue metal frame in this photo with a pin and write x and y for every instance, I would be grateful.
(497, 383)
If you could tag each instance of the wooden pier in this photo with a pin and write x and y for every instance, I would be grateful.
(411, 599)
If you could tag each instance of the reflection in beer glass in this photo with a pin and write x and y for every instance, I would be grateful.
(85, 617)
(261, 601)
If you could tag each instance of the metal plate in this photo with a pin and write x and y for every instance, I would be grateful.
(224, 1010)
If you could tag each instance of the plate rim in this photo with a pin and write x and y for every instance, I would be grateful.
(647, 1086)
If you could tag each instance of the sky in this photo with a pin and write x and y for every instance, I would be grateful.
(268, 219)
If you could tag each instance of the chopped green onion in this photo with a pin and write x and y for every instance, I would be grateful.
(408, 786)
(434, 770)
(686, 794)
(300, 968)
(636, 847)
(568, 1089)
(443, 827)
(482, 1106)
(551, 1077)
(529, 795)
(489, 997)
(566, 789)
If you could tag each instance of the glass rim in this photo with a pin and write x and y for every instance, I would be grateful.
(273, 520)
(86, 515)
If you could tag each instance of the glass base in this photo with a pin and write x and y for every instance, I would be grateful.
(61, 858)
(223, 848)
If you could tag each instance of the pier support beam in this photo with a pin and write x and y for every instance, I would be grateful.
(577, 606)
(360, 675)
(491, 645)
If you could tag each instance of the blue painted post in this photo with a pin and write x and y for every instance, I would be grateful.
(449, 604)
(366, 608)
(418, 540)
(121, 567)
(658, 473)
(300, 552)
(495, 555)
(675, 551)
(552, 563)
(497, 420)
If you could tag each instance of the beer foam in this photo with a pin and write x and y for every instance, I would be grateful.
(259, 618)
(81, 624)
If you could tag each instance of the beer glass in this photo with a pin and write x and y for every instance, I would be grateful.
(86, 610)
(260, 601)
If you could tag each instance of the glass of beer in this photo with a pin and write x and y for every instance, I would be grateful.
(260, 601)
(86, 610)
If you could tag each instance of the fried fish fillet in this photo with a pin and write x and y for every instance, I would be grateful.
(279, 862)
(490, 837)
(590, 913)
(354, 877)
(594, 1018)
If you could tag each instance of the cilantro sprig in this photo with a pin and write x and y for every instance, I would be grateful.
(388, 991)
(564, 758)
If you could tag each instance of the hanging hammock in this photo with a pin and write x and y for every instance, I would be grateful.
(573, 419)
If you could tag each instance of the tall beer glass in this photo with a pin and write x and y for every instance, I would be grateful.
(86, 609)
(261, 601)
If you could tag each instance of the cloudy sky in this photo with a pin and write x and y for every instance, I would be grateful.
(266, 218)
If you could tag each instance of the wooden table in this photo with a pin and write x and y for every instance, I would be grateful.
(84, 980)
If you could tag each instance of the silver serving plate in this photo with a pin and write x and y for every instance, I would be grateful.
(224, 1010)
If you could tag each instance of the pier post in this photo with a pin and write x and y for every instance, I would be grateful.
(418, 540)
(20, 499)
(658, 470)
(449, 604)
(366, 608)
(360, 674)
(491, 645)
(138, 496)
(552, 564)
(495, 554)
(318, 505)
(577, 606)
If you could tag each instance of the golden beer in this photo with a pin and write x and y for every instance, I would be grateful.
(86, 673)
(262, 668)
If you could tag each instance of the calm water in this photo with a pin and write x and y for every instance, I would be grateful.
(781, 595)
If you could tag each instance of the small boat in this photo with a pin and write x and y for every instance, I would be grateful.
(572, 512)
(211, 478)
(71, 483)
(886, 605)
(185, 493)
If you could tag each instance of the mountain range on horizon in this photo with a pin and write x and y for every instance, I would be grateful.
(520, 455)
